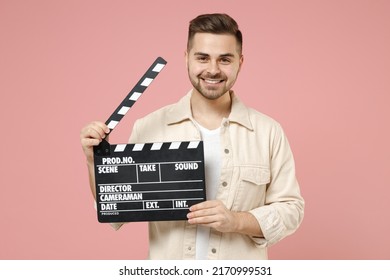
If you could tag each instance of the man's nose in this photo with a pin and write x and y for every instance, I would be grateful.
(213, 68)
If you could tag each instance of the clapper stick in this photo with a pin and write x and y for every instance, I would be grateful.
(104, 147)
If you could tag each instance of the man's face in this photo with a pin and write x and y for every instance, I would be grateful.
(213, 64)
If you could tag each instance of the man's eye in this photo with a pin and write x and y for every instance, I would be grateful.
(225, 60)
(202, 58)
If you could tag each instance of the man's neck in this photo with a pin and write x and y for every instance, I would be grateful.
(209, 113)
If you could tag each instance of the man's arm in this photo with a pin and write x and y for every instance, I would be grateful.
(284, 206)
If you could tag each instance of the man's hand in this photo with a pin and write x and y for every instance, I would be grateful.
(91, 135)
(214, 214)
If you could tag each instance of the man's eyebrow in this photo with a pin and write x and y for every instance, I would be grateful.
(206, 54)
(227, 55)
(201, 54)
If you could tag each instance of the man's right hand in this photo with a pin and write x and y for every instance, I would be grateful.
(91, 135)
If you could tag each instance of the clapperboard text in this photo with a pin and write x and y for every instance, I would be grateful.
(113, 168)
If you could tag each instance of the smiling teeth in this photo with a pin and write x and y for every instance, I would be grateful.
(212, 81)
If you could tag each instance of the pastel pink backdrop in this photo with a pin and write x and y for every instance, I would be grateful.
(321, 68)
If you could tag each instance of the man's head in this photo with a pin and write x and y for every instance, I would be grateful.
(214, 24)
(214, 54)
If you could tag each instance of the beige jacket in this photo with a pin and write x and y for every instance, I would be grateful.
(258, 175)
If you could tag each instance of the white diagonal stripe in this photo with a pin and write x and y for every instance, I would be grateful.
(193, 145)
(135, 96)
(156, 146)
(158, 67)
(138, 147)
(123, 110)
(112, 124)
(120, 147)
(174, 145)
(146, 82)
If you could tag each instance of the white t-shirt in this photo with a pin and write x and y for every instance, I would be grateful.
(212, 160)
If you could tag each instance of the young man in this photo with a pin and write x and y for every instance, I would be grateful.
(253, 198)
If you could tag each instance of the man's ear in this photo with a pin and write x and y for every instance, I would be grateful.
(186, 57)
(241, 62)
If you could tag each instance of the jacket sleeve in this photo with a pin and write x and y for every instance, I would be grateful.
(284, 206)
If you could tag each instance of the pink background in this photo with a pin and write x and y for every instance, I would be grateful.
(321, 68)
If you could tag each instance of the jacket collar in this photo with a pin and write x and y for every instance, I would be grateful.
(181, 111)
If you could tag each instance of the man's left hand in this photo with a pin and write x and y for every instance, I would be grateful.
(214, 214)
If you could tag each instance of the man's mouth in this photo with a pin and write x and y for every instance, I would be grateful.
(212, 81)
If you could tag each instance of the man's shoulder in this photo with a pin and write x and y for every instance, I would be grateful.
(156, 126)
(159, 113)
(260, 117)
(251, 117)
(264, 125)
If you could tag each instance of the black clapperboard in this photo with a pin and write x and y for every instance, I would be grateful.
(147, 181)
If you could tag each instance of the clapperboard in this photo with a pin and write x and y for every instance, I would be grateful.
(147, 181)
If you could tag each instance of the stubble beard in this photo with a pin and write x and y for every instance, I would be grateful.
(211, 94)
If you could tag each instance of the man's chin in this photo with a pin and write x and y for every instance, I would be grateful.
(211, 95)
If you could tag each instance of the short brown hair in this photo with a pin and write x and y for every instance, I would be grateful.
(215, 24)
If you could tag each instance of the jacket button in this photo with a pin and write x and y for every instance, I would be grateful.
(224, 184)
(226, 151)
(214, 250)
